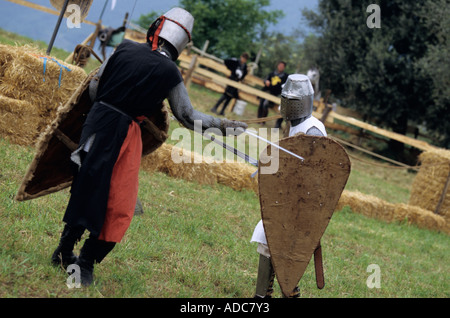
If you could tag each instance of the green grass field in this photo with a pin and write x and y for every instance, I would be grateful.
(194, 240)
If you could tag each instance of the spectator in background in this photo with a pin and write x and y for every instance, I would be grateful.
(272, 85)
(238, 70)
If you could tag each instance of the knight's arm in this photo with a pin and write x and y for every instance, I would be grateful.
(93, 85)
(184, 112)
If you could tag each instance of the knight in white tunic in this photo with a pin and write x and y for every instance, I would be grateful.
(297, 107)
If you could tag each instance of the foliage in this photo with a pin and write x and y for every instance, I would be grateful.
(275, 47)
(436, 65)
(374, 70)
(145, 20)
(230, 26)
(309, 49)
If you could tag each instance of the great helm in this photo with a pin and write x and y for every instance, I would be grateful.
(175, 26)
(297, 97)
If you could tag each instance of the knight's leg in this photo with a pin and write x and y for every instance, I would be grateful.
(93, 252)
(261, 108)
(225, 105)
(63, 255)
(266, 274)
(221, 99)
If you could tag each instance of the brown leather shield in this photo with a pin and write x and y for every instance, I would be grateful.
(51, 169)
(298, 199)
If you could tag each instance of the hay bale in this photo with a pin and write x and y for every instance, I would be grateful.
(238, 177)
(22, 79)
(374, 207)
(23, 69)
(235, 175)
(18, 121)
(428, 185)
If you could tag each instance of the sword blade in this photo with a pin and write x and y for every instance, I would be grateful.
(275, 145)
(238, 153)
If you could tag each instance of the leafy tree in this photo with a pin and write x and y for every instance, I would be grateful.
(436, 65)
(310, 53)
(374, 70)
(145, 20)
(231, 26)
(278, 47)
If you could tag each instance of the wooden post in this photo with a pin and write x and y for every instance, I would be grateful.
(190, 72)
(58, 24)
(205, 47)
(327, 109)
(444, 193)
(254, 65)
(42, 8)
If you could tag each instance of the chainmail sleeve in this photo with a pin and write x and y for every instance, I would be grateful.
(314, 131)
(184, 112)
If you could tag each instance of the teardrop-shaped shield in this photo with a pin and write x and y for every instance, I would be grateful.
(298, 200)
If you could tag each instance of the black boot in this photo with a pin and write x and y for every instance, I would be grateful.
(63, 255)
(265, 279)
(92, 252)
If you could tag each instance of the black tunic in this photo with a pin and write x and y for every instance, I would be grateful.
(136, 80)
(276, 82)
(234, 64)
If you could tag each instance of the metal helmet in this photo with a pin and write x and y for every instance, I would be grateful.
(175, 26)
(297, 97)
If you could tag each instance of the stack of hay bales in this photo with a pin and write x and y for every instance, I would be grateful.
(374, 207)
(426, 194)
(194, 168)
(238, 177)
(32, 86)
(430, 184)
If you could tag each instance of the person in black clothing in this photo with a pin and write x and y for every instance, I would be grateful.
(133, 84)
(238, 70)
(273, 84)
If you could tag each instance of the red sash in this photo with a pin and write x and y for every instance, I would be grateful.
(124, 187)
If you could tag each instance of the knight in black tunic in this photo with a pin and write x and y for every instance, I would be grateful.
(134, 82)
(129, 83)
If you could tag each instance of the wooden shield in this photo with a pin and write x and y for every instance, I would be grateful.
(298, 200)
(51, 169)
